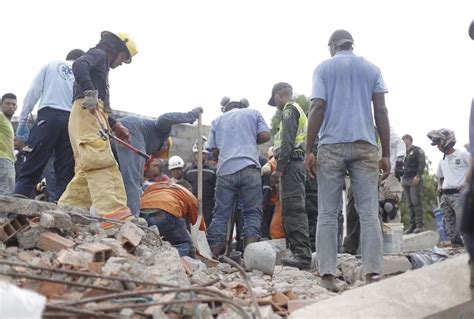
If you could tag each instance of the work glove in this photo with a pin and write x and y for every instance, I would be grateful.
(22, 132)
(121, 132)
(91, 99)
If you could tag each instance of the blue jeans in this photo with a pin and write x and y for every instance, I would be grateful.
(361, 160)
(173, 230)
(246, 185)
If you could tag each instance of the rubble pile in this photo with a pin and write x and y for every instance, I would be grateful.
(128, 271)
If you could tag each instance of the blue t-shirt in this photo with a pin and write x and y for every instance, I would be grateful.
(347, 82)
(234, 134)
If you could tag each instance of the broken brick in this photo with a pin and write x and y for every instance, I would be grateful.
(99, 252)
(53, 242)
(51, 289)
(280, 299)
(294, 305)
(130, 235)
(12, 227)
(79, 259)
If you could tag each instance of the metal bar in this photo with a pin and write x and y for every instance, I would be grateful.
(89, 313)
(201, 290)
(59, 281)
(247, 282)
(86, 274)
(240, 311)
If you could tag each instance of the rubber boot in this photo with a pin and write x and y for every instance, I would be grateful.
(296, 262)
(218, 250)
(410, 230)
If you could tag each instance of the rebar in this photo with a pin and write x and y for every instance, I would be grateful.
(201, 290)
(94, 313)
(59, 281)
(86, 274)
(247, 282)
(236, 307)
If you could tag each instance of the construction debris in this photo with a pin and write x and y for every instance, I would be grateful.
(129, 272)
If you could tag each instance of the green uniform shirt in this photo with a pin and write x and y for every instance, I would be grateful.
(6, 138)
(292, 134)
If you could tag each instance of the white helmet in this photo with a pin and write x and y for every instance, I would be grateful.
(204, 146)
(175, 162)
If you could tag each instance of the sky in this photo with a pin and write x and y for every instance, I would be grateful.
(192, 53)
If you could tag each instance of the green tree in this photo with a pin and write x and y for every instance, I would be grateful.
(429, 197)
(302, 100)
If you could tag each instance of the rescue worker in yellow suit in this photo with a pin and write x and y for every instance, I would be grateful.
(97, 181)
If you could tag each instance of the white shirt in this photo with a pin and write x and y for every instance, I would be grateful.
(454, 169)
(52, 87)
(397, 148)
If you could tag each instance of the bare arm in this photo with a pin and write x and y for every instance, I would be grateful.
(382, 122)
(263, 137)
(315, 120)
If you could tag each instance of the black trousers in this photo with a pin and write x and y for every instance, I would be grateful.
(49, 135)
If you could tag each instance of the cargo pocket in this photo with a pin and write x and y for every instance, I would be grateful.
(95, 154)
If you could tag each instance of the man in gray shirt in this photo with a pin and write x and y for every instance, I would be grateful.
(341, 113)
(233, 138)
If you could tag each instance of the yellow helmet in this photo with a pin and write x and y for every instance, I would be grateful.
(128, 42)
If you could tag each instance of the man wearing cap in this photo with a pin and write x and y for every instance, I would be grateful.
(341, 115)
(412, 182)
(233, 138)
(52, 87)
(288, 149)
(97, 181)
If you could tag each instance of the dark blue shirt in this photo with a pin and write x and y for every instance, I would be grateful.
(91, 72)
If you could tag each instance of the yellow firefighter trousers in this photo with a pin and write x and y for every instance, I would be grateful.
(97, 180)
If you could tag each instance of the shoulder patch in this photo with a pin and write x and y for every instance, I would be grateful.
(287, 114)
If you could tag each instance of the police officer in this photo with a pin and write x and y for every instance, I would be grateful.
(289, 150)
(412, 183)
(452, 175)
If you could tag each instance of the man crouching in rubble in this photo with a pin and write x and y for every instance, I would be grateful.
(170, 207)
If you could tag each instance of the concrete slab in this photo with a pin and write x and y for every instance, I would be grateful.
(425, 240)
(415, 294)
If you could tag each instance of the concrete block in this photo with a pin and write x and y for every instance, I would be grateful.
(395, 265)
(264, 255)
(100, 252)
(130, 235)
(49, 241)
(55, 219)
(425, 240)
(28, 238)
(414, 294)
(80, 259)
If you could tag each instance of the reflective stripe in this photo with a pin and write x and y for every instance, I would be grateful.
(300, 139)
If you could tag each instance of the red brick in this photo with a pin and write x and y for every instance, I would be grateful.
(53, 242)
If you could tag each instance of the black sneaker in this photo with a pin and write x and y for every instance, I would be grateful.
(419, 230)
(410, 230)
